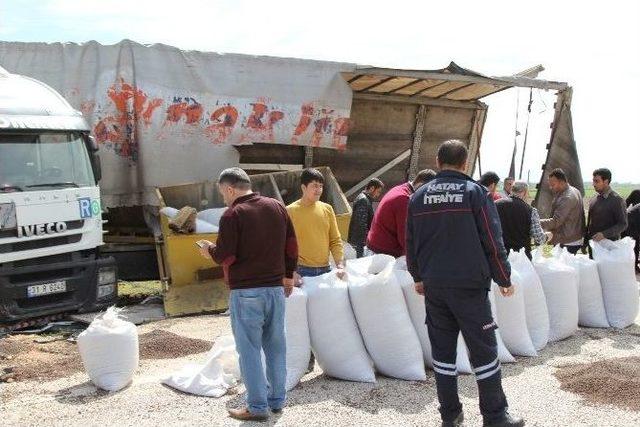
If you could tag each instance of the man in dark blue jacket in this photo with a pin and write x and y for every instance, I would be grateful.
(454, 249)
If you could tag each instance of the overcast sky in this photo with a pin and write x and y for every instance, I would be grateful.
(596, 48)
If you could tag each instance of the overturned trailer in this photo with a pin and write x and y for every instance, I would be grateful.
(166, 117)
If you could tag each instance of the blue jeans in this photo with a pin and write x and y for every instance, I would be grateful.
(312, 271)
(257, 321)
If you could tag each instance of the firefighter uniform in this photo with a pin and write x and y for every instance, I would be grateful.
(455, 248)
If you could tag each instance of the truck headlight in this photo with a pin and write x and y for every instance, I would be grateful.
(106, 276)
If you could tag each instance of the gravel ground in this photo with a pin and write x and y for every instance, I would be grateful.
(532, 389)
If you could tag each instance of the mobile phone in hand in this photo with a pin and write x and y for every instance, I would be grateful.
(201, 243)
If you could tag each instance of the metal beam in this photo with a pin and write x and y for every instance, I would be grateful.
(308, 156)
(417, 142)
(418, 100)
(406, 153)
(518, 81)
(269, 167)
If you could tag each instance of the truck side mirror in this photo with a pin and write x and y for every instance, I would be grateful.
(92, 144)
(95, 166)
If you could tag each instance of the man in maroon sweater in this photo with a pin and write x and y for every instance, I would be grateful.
(258, 251)
(387, 232)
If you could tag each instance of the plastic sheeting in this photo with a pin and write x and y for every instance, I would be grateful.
(164, 116)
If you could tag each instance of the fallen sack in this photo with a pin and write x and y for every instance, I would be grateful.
(220, 373)
(560, 284)
(109, 351)
(617, 276)
(591, 312)
(385, 324)
(197, 226)
(535, 304)
(335, 338)
(511, 319)
(417, 311)
(297, 334)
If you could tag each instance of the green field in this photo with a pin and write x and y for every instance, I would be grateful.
(622, 189)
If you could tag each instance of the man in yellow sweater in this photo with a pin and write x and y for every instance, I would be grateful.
(316, 229)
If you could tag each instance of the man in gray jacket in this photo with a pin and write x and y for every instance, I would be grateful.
(567, 222)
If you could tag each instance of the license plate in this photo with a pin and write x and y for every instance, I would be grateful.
(7, 216)
(46, 289)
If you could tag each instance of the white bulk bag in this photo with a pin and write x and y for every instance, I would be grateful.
(591, 312)
(535, 304)
(297, 334)
(385, 324)
(220, 372)
(560, 284)
(617, 276)
(201, 225)
(417, 312)
(109, 351)
(511, 319)
(372, 264)
(335, 338)
(212, 216)
(462, 359)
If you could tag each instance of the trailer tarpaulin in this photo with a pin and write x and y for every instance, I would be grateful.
(165, 117)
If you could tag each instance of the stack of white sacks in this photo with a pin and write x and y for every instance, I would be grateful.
(375, 321)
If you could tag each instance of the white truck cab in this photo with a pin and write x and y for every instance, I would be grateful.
(50, 213)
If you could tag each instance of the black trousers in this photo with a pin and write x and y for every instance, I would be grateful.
(454, 310)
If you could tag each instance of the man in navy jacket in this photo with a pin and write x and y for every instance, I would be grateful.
(454, 250)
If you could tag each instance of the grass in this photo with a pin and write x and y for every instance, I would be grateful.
(137, 289)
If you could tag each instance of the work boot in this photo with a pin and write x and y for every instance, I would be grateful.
(506, 421)
(243, 414)
(458, 421)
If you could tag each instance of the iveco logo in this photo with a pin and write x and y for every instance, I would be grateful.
(41, 229)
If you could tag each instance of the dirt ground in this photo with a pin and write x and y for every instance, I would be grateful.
(68, 398)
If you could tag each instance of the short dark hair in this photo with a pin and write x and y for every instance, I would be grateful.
(509, 178)
(603, 173)
(558, 173)
(489, 178)
(374, 183)
(309, 175)
(424, 176)
(236, 178)
(452, 152)
(634, 198)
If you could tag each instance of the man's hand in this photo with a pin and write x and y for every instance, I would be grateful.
(598, 236)
(507, 292)
(288, 286)
(340, 272)
(297, 279)
(204, 250)
(419, 287)
(549, 235)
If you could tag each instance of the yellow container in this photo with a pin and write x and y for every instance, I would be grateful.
(193, 284)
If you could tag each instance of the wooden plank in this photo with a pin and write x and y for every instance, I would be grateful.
(396, 83)
(475, 139)
(378, 172)
(269, 167)
(475, 91)
(472, 105)
(275, 188)
(308, 156)
(442, 89)
(517, 81)
(417, 142)
(366, 81)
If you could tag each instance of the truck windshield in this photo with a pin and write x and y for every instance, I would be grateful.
(46, 160)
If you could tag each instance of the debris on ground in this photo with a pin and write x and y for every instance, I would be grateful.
(48, 357)
(612, 381)
(159, 344)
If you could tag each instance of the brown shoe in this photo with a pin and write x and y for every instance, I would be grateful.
(243, 414)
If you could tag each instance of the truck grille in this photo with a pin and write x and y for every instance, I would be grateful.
(40, 243)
